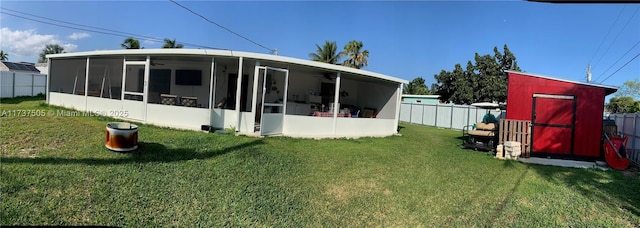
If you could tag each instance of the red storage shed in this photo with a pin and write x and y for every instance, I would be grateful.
(566, 115)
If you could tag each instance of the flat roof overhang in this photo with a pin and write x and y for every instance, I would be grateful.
(229, 53)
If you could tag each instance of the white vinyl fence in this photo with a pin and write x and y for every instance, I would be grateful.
(14, 84)
(629, 124)
(444, 115)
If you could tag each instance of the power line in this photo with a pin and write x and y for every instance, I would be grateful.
(625, 54)
(65, 22)
(225, 28)
(605, 37)
(64, 26)
(620, 68)
(109, 31)
(91, 28)
(618, 35)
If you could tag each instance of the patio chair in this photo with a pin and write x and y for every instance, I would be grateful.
(190, 101)
(168, 99)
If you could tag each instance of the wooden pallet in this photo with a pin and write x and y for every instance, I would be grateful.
(518, 131)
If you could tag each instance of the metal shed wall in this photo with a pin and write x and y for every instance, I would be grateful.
(588, 112)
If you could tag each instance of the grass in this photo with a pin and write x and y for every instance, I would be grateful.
(56, 171)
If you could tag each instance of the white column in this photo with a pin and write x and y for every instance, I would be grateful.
(238, 92)
(398, 103)
(256, 78)
(124, 78)
(254, 96)
(284, 100)
(336, 106)
(86, 84)
(145, 87)
(46, 89)
(212, 83)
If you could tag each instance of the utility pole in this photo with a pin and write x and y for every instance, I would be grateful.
(589, 73)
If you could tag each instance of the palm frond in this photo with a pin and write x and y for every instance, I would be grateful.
(326, 53)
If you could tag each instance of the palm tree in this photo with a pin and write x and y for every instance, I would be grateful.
(4, 56)
(326, 53)
(50, 49)
(171, 44)
(417, 87)
(130, 43)
(356, 58)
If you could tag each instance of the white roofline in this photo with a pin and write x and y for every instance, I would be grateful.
(229, 53)
(563, 80)
(425, 96)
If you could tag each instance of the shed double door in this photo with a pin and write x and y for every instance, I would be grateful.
(553, 119)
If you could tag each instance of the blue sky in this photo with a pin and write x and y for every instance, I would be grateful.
(405, 39)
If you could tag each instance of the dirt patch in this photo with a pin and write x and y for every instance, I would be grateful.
(633, 170)
(343, 192)
(30, 152)
(27, 152)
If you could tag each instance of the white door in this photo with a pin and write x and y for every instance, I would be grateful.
(133, 94)
(274, 100)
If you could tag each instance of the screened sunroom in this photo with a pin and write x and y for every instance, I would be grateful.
(256, 94)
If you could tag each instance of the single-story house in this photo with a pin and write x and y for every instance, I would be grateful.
(420, 99)
(566, 115)
(19, 67)
(42, 67)
(255, 94)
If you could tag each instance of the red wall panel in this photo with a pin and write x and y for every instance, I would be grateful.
(554, 111)
(552, 140)
(590, 105)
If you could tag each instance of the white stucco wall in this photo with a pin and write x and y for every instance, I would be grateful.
(178, 116)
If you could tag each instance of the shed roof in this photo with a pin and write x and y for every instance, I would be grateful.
(608, 88)
(229, 53)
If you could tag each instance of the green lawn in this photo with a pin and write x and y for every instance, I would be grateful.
(56, 171)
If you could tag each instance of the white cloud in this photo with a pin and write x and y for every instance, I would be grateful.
(150, 42)
(28, 43)
(78, 35)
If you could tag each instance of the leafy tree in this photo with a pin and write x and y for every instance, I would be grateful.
(507, 61)
(327, 53)
(4, 56)
(629, 89)
(131, 43)
(491, 84)
(445, 87)
(434, 88)
(356, 58)
(168, 43)
(626, 99)
(623, 105)
(484, 79)
(50, 49)
(417, 87)
(463, 94)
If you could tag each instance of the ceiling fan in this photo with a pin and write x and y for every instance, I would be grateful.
(328, 76)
